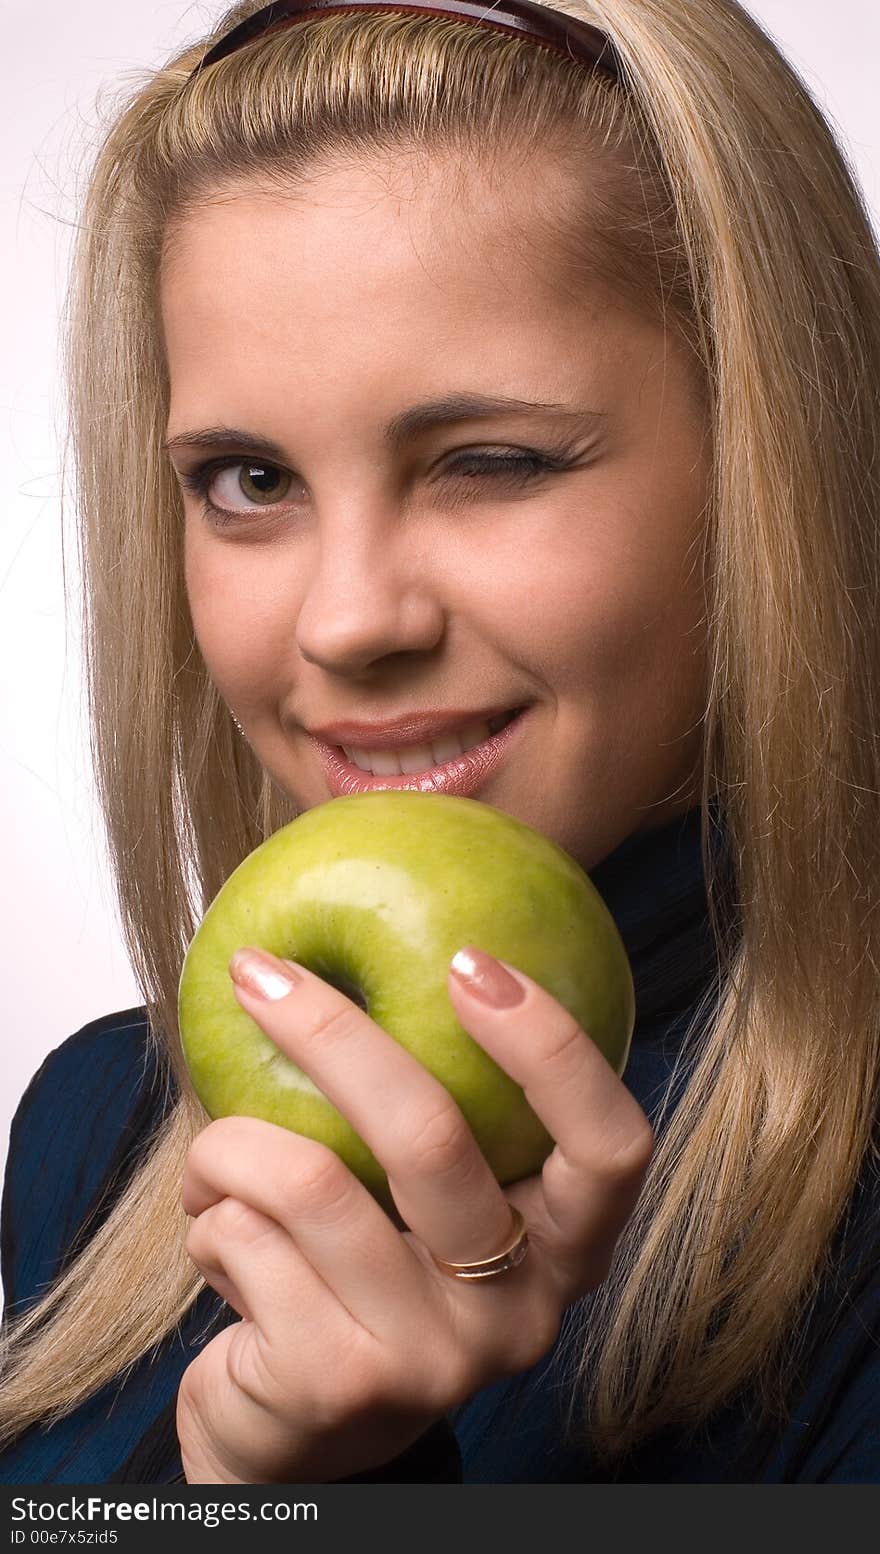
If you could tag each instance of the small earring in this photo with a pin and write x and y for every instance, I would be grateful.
(238, 725)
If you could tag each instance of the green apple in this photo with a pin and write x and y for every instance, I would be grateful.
(375, 893)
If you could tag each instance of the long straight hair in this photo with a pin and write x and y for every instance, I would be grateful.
(713, 197)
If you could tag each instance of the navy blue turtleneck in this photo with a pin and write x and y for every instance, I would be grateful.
(81, 1127)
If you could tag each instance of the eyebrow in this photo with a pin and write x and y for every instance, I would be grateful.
(401, 428)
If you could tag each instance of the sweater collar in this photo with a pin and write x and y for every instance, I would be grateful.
(655, 889)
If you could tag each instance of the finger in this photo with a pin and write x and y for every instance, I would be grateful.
(218, 1278)
(271, 1283)
(440, 1180)
(331, 1218)
(604, 1141)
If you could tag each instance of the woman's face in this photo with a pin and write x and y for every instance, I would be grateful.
(366, 567)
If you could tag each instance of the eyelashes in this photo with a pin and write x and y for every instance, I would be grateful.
(515, 468)
(198, 481)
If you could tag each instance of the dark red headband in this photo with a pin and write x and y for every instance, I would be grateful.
(550, 29)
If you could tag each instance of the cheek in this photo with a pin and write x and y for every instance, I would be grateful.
(208, 589)
(595, 602)
(237, 618)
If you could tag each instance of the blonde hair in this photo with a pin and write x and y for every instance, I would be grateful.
(714, 195)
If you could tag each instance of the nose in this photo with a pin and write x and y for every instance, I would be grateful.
(368, 594)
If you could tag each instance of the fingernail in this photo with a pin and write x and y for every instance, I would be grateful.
(259, 972)
(483, 976)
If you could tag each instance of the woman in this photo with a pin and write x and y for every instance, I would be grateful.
(315, 543)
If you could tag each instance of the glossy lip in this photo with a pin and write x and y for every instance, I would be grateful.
(461, 776)
(411, 728)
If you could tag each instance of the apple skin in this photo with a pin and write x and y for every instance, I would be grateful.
(375, 893)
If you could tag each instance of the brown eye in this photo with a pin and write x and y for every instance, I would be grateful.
(257, 482)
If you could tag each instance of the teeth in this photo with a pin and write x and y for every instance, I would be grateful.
(472, 734)
(418, 758)
(384, 763)
(410, 759)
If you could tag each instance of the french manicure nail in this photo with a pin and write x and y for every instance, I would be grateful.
(483, 976)
(261, 973)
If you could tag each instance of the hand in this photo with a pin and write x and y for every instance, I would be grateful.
(351, 1340)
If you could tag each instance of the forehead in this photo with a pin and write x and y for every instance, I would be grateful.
(453, 235)
(391, 276)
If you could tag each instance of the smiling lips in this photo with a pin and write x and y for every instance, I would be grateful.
(454, 762)
(409, 759)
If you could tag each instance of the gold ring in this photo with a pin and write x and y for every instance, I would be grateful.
(488, 1267)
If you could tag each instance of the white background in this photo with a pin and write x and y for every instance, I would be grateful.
(63, 958)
